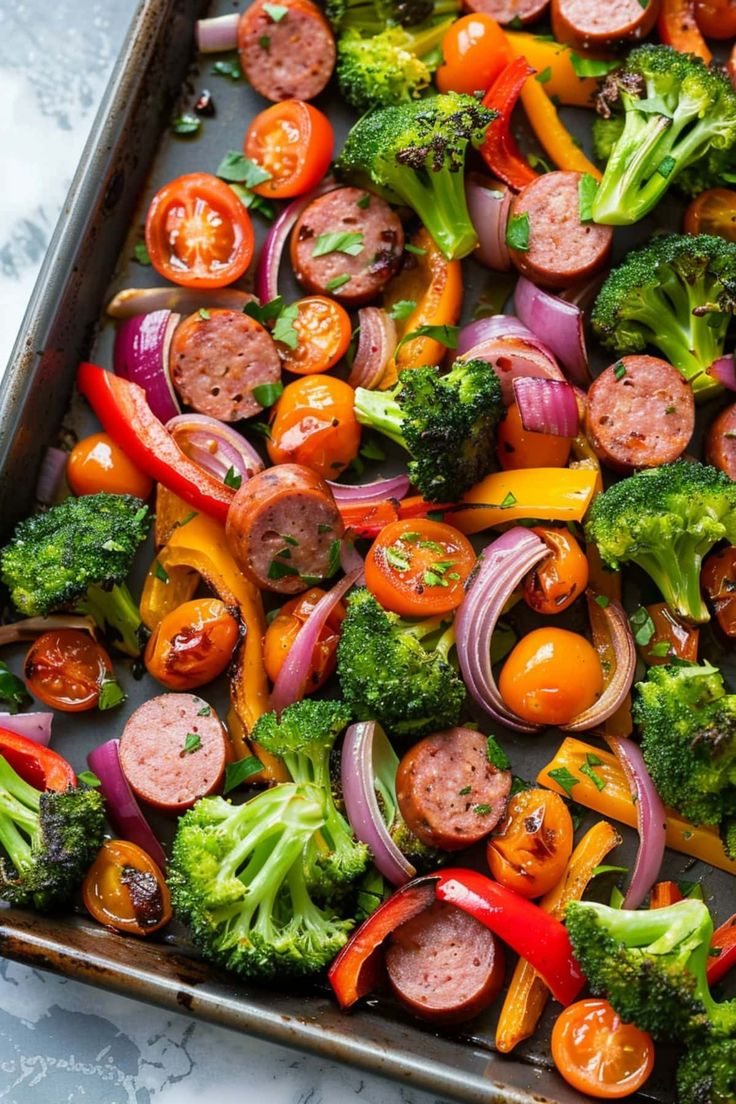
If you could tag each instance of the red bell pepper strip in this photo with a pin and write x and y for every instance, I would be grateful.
(535, 935)
(357, 969)
(39, 766)
(367, 520)
(724, 941)
(125, 414)
(499, 150)
(678, 28)
(664, 894)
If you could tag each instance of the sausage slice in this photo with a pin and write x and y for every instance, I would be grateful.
(562, 249)
(600, 24)
(286, 56)
(720, 442)
(640, 414)
(509, 11)
(449, 792)
(444, 965)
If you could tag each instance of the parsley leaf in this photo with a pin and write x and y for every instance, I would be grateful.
(205, 711)
(544, 76)
(186, 125)
(402, 309)
(140, 253)
(236, 168)
(228, 67)
(564, 778)
(339, 241)
(661, 649)
(337, 282)
(591, 67)
(334, 558)
(275, 12)
(89, 779)
(278, 570)
(236, 773)
(602, 600)
(415, 249)
(232, 478)
(284, 330)
(192, 743)
(496, 755)
(111, 694)
(642, 626)
(160, 572)
(266, 394)
(517, 232)
(445, 334)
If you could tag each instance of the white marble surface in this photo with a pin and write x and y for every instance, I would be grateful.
(59, 1040)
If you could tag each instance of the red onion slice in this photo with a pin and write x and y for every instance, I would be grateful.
(558, 323)
(292, 678)
(51, 475)
(367, 493)
(142, 356)
(622, 676)
(269, 261)
(31, 627)
(651, 820)
(217, 34)
(34, 726)
(503, 564)
(546, 406)
(493, 327)
(133, 301)
(724, 370)
(512, 358)
(376, 346)
(365, 743)
(352, 561)
(488, 204)
(216, 447)
(123, 811)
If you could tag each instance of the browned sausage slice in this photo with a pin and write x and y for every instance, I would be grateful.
(449, 793)
(562, 249)
(282, 527)
(216, 361)
(286, 56)
(720, 442)
(640, 414)
(444, 965)
(368, 252)
(509, 11)
(602, 23)
(173, 750)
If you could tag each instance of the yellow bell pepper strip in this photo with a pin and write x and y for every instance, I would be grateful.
(170, 512)
(164, 591)
(200, 545)
(435, 285)
(552, 135)
(527, 993)
(552, 62)
(614, 800)
(546, 494)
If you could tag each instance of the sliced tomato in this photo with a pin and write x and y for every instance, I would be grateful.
(323, 335)
(37, 765)
(125, 890)
(198, 233)
(66, 669)
(418, 568)
(292, 141)
(598, 1054)
(712, 212)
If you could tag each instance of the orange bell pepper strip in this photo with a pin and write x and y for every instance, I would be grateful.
(664, 894)
(552, 135)
(435, 285)
(552, 61)
(527, 993)
(546, 494)
(615, 801)
(678, 28)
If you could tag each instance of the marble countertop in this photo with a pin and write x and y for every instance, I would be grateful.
(60, 1040)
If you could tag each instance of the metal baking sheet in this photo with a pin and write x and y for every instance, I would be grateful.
(131, 152)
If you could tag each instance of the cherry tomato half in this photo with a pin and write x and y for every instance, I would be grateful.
(418, 568)
(66, 669)
(125, 890)
(598, 1054)
(671, 637)
(323, 335)
(556, 582)
(516, 448)
(550, 676)
(716, 18)
(718, 580)
(313, 423)
(96, 463)
(198, 233)
(475, 51)
(192, 645)
(293, 141)
(531, 847)
(712, 212)
(282, 631)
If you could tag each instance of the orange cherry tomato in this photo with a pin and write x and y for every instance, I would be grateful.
(531, 848)
(418, 568)
(716, 18)
(475, 51)
(125, 890)
(282, 632)
(66, 669)
(718, 580)
(293, 141)
(192, 645)
(671, 637)
(198, 233)
(712, 212)
(323, 335)
(96, 463)
(556, 582)
(516, 448)
(313, 423)
(598, 1054)
(550, 676)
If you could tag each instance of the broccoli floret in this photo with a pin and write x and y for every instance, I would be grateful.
(651, 964)
(303, 736)
(397, 672)
(715, 170)
(447, 423)
(606, 132)
(76, 556)
(48, 840)
(414, 154)
(370, 17)
(678, 294)
(675, 110)
(392, 67)
(688, 737)
(707, 1074)
(237, 878)
(665, 520)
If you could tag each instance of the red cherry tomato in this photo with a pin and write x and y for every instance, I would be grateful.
(66, 669)
(598, 1054)
(293, 141)
(475, 51)
(418, 568)
(96, 463)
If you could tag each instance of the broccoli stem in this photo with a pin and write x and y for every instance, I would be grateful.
(379, 410)
(678, 578)
(18, 848)
(439, 200)
(619, 200)
(115, 610)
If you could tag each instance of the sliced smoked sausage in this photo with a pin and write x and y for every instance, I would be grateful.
(348, 232)
(640, 414)
(217, 358)
(597, 24)
(286, 54)
(173, 750)
(561, 249)
(509, 11)
(720, 442)
(444, 965)
(449, 792)
(282, 527)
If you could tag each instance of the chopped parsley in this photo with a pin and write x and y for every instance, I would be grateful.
(364, 201)
(232, 479)
(160, 572)
(402, 309)
(619, 369)
(444, 334)
(266, 394)
(415, 249)
(237, 773)
(339, 241)
(337, 282)
(236, 168)
(464, 791)
(186, 125)
(602, 600)
(496, 755)
(204, 314)
(564, 778)
(228, 67)
(397, 558)
(642, 626)
(205, 711)
(275, 12)
(89, 779)
(278, 570)
(140, 253)
(192, 743)
(587, 188)
(482, 810)
(517, 232)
